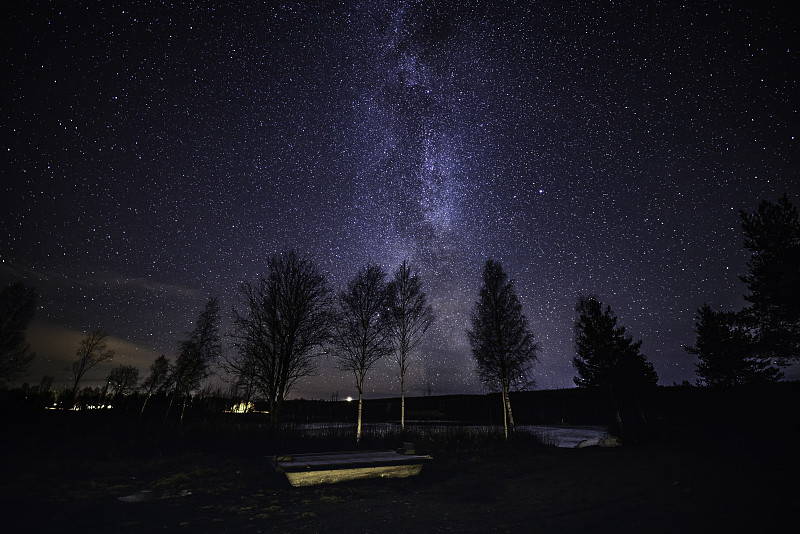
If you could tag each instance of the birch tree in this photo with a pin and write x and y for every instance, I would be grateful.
(157, 379)
(197, 353)
(501, 341)
(363, 333)
(411, 318)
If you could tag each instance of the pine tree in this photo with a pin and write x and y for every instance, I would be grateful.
(725, 350)
(608, 358)
(606, 355)
(772, 235)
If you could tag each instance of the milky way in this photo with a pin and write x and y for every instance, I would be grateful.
(154, 155)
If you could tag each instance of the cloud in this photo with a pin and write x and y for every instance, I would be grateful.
(55, 348)
(12, 271)
(147, 285)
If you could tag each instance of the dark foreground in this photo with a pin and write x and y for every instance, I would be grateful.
(652, 488)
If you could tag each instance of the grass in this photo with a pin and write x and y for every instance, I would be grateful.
(67, 473)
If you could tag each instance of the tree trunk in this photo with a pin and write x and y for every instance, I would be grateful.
(510, 415)
(505, 411)
(402, 401)
(617, 414)
(641, 412)
(273, 413)
(183, 408)
(169, 406)
(358, 424)
(147, 398)
(278, 411)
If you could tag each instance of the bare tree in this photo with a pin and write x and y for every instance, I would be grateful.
(411, 318)
(93, 350)
(363, 332)
(197, 353)
(157, 379)
(46, 384)
(17, 304)
(243, 387)
(287, 319)
(122, 378)
(500, 338)
(43, 390)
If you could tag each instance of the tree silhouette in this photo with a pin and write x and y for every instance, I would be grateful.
(122, 378)
(609, 358)
(287, 319)
(157, 380)
(724, 348)
(772, 235)
(17, 304)
(197, 353)
(93, 349)
(500, 338)
(363, 334)
(411, 318)
(606, 355)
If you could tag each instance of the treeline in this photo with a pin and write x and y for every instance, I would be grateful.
(662, 407)
(282, 325)
(287, 320)
(663, 411)
(751, 345)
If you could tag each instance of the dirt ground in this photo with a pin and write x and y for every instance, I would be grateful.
(646, 489)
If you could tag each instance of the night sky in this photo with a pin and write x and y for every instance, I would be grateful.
(154, 155)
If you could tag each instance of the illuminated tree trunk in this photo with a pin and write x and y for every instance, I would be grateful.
(183, 408)
(402, 402)
(505, 411)
(411, 316)
(358, 424)
(169, 406)
(510, 415)
(500, 339)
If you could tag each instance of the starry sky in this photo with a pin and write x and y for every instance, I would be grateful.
(155, 154)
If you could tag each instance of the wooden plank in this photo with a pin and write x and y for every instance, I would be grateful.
(344, 460)
(332, 476)
(331, 467)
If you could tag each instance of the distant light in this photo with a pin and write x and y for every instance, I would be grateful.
(349, 399)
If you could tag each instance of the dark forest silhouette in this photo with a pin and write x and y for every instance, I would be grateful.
(750, 345)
